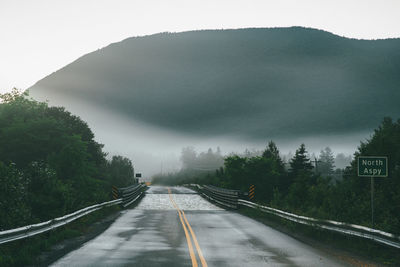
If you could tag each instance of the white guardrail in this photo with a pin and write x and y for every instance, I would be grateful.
(128, 196)
(228, 197)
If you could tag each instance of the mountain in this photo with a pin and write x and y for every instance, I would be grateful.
(256, 84)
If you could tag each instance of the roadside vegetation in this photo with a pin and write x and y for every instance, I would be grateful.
(301, 188)
(50, 165)
(44, 249)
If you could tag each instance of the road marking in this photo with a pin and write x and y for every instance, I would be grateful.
(196, 243)
(189, 242)
(202, 260)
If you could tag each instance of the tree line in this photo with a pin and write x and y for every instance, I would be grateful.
(310, 187)
(50, 163)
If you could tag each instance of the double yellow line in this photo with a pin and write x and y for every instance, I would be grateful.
(185, 223)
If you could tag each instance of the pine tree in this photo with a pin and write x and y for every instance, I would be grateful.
(327, 162)
(272, 152)
(300, 162)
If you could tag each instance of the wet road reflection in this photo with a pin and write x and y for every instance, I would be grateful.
(151, 234)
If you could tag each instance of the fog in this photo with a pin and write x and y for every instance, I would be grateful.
(146, 98)
(156, 150)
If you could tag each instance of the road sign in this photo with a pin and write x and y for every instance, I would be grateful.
(251, 192)
(371, 166)
(138, 175)
(115, 192)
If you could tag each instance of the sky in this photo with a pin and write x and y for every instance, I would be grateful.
(39, 37)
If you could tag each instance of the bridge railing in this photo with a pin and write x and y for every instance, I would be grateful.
(128, 196)
(231, 199)
(225, 197)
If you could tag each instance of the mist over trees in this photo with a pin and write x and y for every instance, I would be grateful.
(302, 189)
(203, 161)
(236, 78)
(50, 163)
(194, 166)
(326, 162)
(341, 160)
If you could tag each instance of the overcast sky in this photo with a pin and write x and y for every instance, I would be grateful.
(38, 37)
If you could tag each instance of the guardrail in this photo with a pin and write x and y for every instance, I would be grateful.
(131, 194)
(341, 227)
(128, 196)
(224, 197)
(230, 199)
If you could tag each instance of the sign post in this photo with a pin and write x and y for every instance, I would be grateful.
(372, 166)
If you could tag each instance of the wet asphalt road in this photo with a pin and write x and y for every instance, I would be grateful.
(156, 233)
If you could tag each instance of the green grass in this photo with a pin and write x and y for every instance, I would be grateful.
(359, 247)
(26, 251)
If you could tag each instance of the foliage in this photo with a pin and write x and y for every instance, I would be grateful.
(326, 164)
(13, 196)
(200, 168)
(121, 169)
(318, 194)
(300, 164)
(50, 163)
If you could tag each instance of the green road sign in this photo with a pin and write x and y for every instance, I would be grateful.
(372, 166)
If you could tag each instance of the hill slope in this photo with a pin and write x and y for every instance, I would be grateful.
(253, 83)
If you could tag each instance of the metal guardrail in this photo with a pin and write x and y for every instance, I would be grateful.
(131, 194)
(341, 227)
(128, 196)
(230, 198)
(224, 197)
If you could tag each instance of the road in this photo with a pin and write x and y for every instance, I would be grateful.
(176, 227)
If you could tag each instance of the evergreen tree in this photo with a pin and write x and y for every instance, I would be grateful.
(326, 164)
(300, 163)
(277, 172)
(272, 152)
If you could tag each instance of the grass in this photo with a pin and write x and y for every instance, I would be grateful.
(342, 245)
(27, 251)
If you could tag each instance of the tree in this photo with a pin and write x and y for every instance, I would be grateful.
(47, 195)
(326, 162)
(188, 157)
(384, 142)
(235, 172)
(342, 161)
(272, 152)
(277, 170)
(13, 193)
(50, 163)
(121, 171)
(300, 163)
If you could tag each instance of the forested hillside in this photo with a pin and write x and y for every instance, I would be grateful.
(252, 83)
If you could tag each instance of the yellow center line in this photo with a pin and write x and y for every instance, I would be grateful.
(189, 242)
(202, 259)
